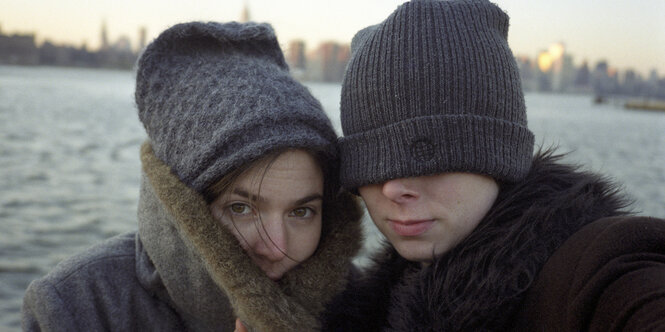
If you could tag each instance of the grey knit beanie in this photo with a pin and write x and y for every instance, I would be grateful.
(434, 88)
(213, 97)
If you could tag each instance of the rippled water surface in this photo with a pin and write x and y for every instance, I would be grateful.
(69, 165)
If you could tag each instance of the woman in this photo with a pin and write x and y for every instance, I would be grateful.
(483, 235)
(239, 212)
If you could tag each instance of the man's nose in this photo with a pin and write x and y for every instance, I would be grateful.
(400, 190)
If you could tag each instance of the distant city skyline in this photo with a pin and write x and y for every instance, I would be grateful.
(626, 35)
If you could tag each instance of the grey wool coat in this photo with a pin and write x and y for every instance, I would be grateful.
(183, 271)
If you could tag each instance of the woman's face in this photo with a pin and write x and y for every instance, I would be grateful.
(426, 216)
(275, 213)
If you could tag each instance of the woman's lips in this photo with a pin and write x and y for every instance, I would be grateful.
(411, 227)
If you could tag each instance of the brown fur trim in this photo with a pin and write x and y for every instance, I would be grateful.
(293, 304)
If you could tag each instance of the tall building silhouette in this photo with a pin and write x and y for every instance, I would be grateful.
(296, 59)
(563, 70)
(328, 62)
(142, 38)
(543, 75)
(295, 55)
(583, 77)
(18, 49)
(601, 81)
(557, 72)
(104, 37)
(528, 73)
(244, 16)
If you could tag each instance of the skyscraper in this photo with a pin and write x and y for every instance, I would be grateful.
(104, 38)
(295, 55)
(142, 38)
(563, 71)
(244, 16)
(329, 61)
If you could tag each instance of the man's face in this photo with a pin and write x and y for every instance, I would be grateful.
(426, 216)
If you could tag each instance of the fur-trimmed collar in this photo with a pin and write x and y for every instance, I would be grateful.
(479, 284)
(204, 268)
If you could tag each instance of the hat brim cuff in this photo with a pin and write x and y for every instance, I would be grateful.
(437, 144)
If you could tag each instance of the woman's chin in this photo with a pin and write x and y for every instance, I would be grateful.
(274, 275)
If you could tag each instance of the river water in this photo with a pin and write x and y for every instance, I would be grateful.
(69, 165)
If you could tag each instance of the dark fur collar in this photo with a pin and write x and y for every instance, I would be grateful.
(479, 284)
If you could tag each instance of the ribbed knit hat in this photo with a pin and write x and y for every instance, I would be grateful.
(213, 97)
(434, 88)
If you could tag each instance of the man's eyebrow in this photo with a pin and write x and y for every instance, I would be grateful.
(244, 193)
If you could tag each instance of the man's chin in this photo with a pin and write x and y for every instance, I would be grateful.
(415, 251)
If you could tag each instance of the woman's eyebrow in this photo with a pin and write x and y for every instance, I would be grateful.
(245, 194)
(308, 199)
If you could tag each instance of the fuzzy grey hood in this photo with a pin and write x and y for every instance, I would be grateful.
(209, 278)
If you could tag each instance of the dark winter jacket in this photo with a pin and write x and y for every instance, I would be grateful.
(183, 270)
(554, 253)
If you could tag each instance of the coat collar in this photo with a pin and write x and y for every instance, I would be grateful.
(479, 284)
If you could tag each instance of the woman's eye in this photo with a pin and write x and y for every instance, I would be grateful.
(239, 208)
(302, 212)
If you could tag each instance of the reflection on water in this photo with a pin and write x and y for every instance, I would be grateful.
(69, 164)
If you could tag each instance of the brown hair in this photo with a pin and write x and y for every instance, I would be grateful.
(323, 160)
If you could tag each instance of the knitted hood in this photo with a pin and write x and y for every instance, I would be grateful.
(208, 276)
(215, 96)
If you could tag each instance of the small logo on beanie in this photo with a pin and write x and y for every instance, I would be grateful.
(422, 149)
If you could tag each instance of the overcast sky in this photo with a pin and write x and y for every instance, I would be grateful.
(628, 34)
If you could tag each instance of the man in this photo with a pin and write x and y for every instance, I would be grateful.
(484, 235)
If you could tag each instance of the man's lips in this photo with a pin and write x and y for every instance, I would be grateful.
(411, 227)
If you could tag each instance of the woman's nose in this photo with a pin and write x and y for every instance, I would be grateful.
(400, 190)
(272, 242)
